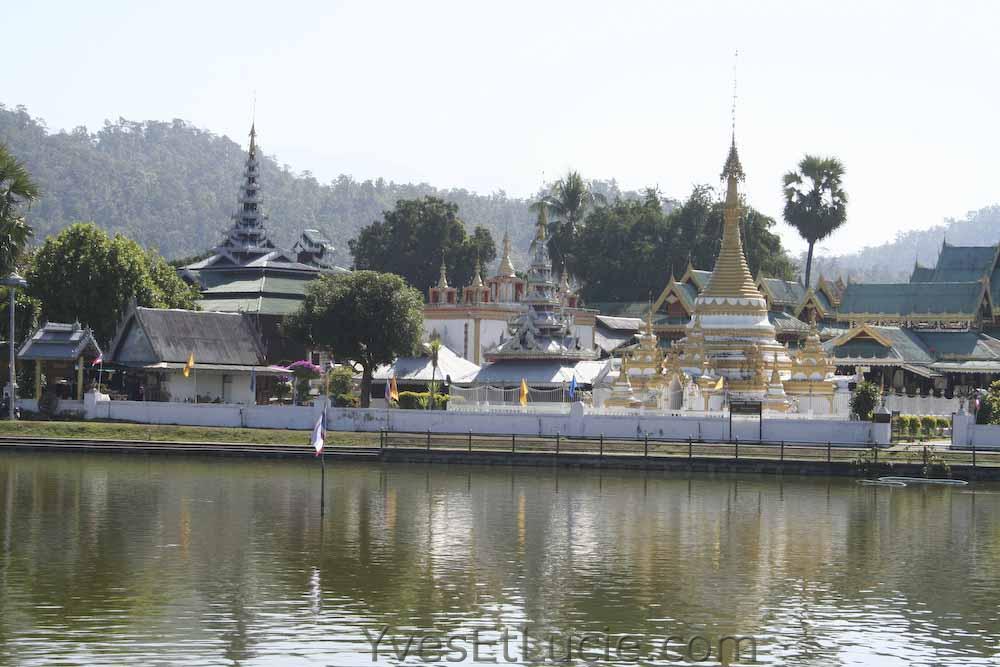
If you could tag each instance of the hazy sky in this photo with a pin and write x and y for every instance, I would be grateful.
(491, 96)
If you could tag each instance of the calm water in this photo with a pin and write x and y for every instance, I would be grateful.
(162, 561)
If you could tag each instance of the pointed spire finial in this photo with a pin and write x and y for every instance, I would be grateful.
(506, 265)
(443, 276)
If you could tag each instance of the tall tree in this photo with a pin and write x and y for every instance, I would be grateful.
(365, 317)
(86, 275)
(413, 239)
(567, 203)
(17, 191)
(815, 201)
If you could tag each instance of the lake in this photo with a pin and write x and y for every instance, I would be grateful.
(168, 560)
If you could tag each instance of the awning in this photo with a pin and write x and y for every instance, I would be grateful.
(967, 367)
(222, 368)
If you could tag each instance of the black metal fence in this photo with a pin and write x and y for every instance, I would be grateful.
(650, 447)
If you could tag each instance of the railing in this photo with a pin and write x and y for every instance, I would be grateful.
(869, 458)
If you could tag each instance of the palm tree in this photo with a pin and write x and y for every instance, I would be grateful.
(568, 201)
(818, 210)
(16, 190)
(435, 348)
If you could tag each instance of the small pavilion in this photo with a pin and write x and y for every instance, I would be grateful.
(60, 351)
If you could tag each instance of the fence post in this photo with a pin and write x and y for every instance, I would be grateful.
(428, 440)
(973, 453)
(689, 448)
(782, 451)
(601, 452)
(513, 443)
(737, 449)
(875, 447)
(557, 443)
(645, 446)
(829, 451)
(925, 456)
(470, 440)
(381, 439)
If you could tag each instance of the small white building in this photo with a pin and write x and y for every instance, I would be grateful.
(153, 346)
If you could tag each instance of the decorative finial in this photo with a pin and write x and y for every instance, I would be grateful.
(506, 265)
(542, 223)
(443, 276)
(736, 56)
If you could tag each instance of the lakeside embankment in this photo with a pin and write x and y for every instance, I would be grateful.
(665, 455)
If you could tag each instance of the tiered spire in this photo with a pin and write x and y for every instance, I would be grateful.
(731, 276)
(477, 278)
(443, 277)
(248, 236)
(506, 266)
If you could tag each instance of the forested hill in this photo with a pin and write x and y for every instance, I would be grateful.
(174, 187)
(893, 261)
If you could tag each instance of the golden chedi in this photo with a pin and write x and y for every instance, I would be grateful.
(730, 334)
(809, 385)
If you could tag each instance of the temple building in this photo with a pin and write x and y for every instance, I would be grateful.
(476, 318)
(540, 344)
(248, 273)
(730, 349)
(931, 335)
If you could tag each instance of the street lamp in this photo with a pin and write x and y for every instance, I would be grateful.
(12, 282)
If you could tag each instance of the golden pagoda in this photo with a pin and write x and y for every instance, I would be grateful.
(730, 336)
(645, 367)
(811, 368)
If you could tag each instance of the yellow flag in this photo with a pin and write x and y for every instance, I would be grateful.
(524, 392)
(393, 390)
(718, 385)
(189, 365)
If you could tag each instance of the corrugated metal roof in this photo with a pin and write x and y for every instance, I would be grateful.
(55, 341)
(632, 324)
(420, 369)
(911, 298)
(539, 372)
(905, 346)
(268, 305)
(786, 292)
(170, 335)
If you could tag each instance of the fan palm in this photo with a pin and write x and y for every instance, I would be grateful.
(815, 201)
(568, 201)
(16, 191)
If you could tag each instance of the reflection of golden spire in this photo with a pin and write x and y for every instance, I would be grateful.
(506, 266)
(443, 277)
(731, 276)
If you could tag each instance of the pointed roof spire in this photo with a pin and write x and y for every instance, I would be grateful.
(731, 276)
(253, 138)
(477, 279)
(506, 266)
(542, 223)
(443, 276)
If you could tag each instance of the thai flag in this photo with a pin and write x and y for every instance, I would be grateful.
(318, 436)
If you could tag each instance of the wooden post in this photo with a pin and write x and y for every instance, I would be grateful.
(322, 482)
(513, 443)
(645, 446)
(690, 448)
(782, 451)
(601, 451)
(829, 451)
(737, 451)
(428, 440)
(470, 440)
(557, 443)
(79, 379)
(39, 368)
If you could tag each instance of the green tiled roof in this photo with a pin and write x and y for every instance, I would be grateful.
(906, 347)
(963, 263)
(261, 305)
(782, 321)
(960, 345)
(911, 298)
(701, 278)
(921, 274)
(786, 292)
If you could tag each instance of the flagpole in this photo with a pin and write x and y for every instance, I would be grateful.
(322, 468)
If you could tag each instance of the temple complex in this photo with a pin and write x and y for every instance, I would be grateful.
(476, 319)
(248, 273)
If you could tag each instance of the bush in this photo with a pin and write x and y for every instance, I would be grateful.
(346, 401)
(943, 423)
(929, 424)
(903, 424)
(412, 400)
(914, 425)
(340, 380)
(865, 398)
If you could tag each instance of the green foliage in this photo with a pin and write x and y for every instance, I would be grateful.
(367, 317)
(566, 203)
(865, 399)
(414, 400)
(340, 380)
(989, 406)
(84, 274)
(17, 191)
(346, 401)
(816, 209)
(928, 424)
(943, 423)
(413, 238)
(621, 251)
